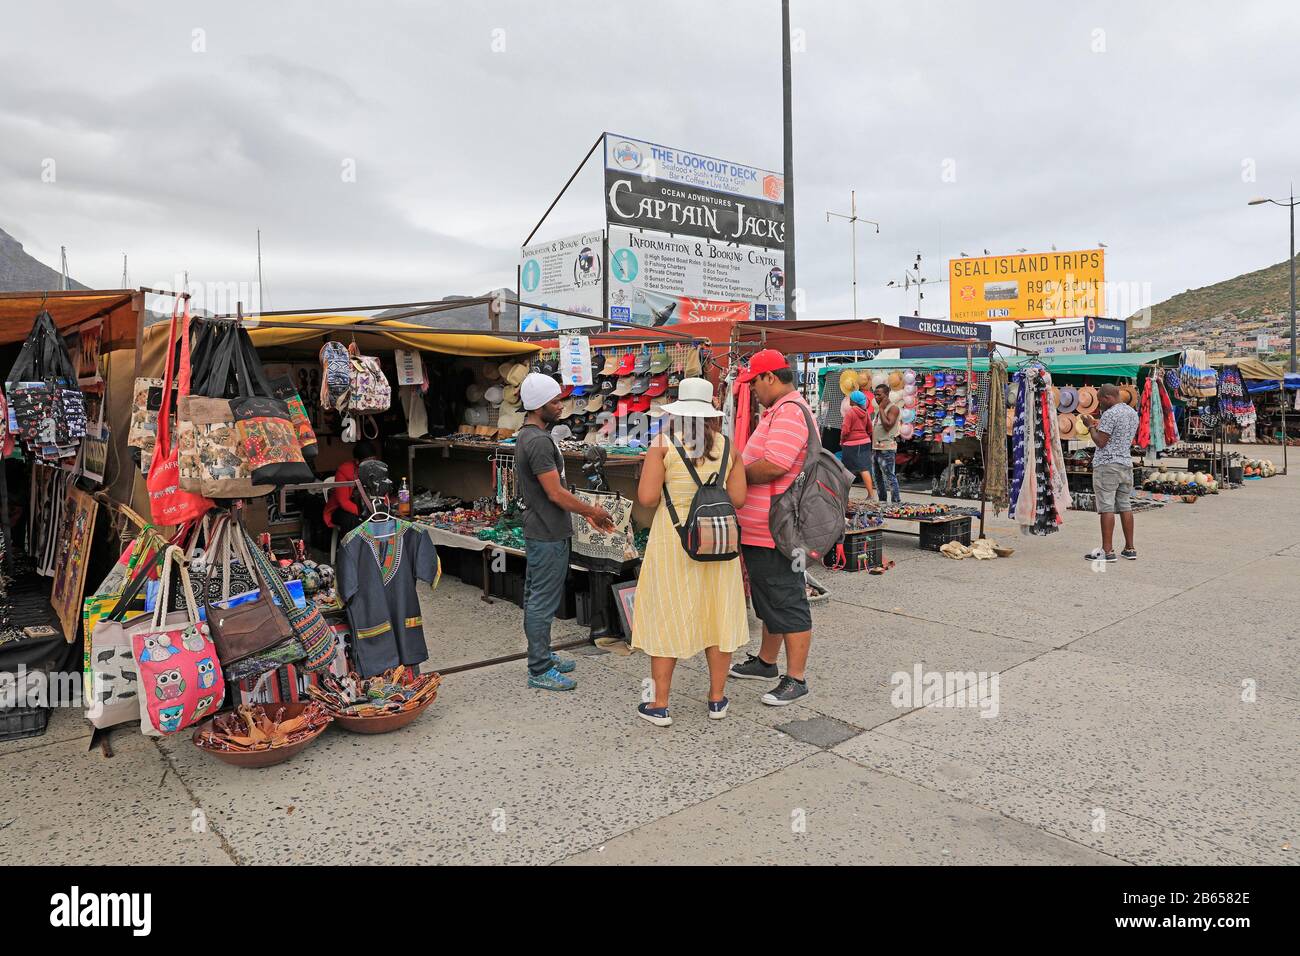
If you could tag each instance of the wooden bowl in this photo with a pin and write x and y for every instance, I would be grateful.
(384, 723)
(260, 758)
(1190, 499)
(1004, 552)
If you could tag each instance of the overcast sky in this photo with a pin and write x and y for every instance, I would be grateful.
(1137, 125)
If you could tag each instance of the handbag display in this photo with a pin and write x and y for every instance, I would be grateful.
(168, 502)
(307, 622)
(266, 438)
(48, 408)
(284, 389)
(210, 457)
(101, 603)
(336, 375)
(146, 400)
(247, 628)
(369, 392)
(180, 677)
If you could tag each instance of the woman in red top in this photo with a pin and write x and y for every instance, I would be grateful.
(855, 438)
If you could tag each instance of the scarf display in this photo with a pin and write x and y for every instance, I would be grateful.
(995, 471)
(1157, 427)
(1039, 493)
(1196, 378)
(1234, 404)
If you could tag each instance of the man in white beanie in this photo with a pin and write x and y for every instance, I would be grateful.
(539, 470)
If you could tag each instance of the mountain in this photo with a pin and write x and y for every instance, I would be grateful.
(467, 317)
(1224, 319)
(20, 272)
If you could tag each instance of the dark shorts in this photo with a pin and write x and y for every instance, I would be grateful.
(857, 458)
(778, 591)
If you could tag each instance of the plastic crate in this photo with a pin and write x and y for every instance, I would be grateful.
(863, 550)
(935, 534)
(19, 722)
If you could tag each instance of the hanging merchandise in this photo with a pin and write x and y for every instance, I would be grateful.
(249, 627)
(284, 389)
(48, 408)
(308, 623)
(1234, 403)
(1167, 410)
(180, 677)
(336, 375)
(378, 565)
(267, 439)
(210, 460)
(995, 471)
(1039, 493)
(169, 503)
(369, 392)
(1196, 378)
(143, 433)
(603, 550)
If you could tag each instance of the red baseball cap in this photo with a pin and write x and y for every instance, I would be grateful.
(624, 407)
(639, 403)
(658, 385)
(626, 365)
(768, 360)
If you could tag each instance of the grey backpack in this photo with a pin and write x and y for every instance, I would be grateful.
(808, 517)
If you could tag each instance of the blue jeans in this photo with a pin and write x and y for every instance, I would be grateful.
(886, 480)
(548, 568)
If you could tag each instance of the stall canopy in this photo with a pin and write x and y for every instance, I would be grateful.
(832, 335)
(1109, 365)
(119, 308)
(309, 331)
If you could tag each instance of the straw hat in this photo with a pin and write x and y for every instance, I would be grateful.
(491, 371)
(517, 373)
(1065, 424)
(1068, 400)
(1087, 399)
(895, 381)
(1080, 428)
(848, 381)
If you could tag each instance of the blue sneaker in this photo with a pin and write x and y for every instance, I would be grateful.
(718, 709)
(564, 665)
(656, 715)
(552, 680)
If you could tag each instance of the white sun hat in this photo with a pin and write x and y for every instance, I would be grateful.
(694, 400)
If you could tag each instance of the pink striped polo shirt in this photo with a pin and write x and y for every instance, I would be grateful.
(781, 437)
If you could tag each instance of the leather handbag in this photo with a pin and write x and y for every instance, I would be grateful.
(308, 623)
(252, 626)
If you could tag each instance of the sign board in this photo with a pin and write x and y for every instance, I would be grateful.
(1105, 335)
(1053, 340)
(961, 330)
(679, 266)
(648, 186)
(1045, 285)
(575, 359)
(644, 307)
(566, 273)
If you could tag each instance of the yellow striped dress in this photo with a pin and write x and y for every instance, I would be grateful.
(682, 605)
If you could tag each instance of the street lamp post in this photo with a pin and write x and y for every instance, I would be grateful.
(1290, 204)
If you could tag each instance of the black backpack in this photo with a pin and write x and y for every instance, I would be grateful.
(711, 531)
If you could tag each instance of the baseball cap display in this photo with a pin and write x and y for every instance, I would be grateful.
(607, 386)
(611, 365)
(642, 363)
(768, 360)
(624, 386)
(640, 384)
(659, 361)
(657, 386)
(594, 402)
(626, 365)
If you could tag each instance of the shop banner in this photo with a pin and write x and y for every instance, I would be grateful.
(625, 155)
(961, 330)
(1056, 340)
(1045, 285)
(644, 307)
(1105, 335)
(566, 273)
(678, 266)
(671, 190)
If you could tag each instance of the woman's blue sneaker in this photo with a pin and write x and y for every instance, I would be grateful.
(656, 715)
(564, 665)
(718, 709)
(552, 680)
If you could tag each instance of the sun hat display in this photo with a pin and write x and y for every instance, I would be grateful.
(848, 381)
(909, 389)
(503, 370)
(537, 390)
(1080, 428)
(518, 372)
(474, 393)
(895, 380)
(878, 379)
(909, 377)
(768, 360)
(494, 395)
(1065, 424)
(1087, 400)
(907, 416)
(510, 395)
(909, 401)
(895, 397)
(491, 371)
(694, 400)
(477, 415)
(511, 419)
(905, 430)
(1068, 400)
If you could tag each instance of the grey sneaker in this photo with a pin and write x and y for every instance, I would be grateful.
(754, 668)
(786, 692)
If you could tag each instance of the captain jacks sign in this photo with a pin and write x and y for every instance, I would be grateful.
(670, 190)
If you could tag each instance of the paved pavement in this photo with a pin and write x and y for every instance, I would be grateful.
(1143, 714)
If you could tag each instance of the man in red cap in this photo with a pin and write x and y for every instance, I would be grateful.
(773, 458)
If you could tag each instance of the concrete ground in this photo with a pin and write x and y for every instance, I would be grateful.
(1146, 713)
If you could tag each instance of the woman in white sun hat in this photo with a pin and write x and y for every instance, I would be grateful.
(684, 606)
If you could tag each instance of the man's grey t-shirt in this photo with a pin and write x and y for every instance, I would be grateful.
(536, 454)
(1120, 422)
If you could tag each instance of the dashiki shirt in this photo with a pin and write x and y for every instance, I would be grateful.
(377, 565)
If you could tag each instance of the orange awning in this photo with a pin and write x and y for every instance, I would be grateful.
(117, 307)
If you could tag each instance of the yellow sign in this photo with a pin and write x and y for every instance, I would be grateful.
(1045, 285)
